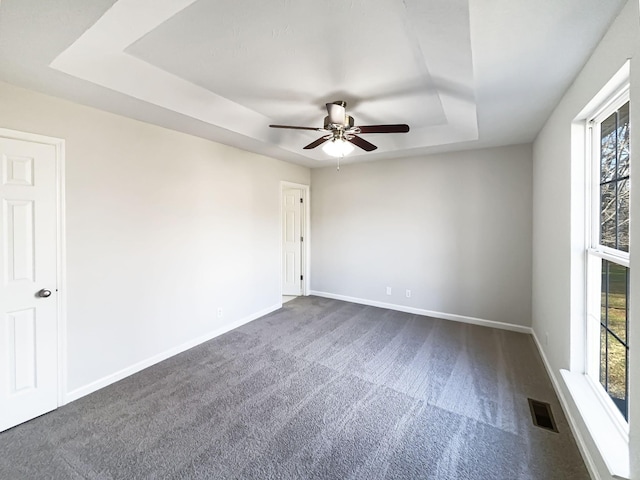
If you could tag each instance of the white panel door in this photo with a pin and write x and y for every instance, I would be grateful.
(28, 323)
(291, 241)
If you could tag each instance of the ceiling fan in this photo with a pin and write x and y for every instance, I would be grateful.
(342, 132)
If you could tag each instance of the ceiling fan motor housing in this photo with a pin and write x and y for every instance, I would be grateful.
(348, 123)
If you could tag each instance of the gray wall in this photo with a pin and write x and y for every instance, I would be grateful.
(558, 219)
(453, 228)
(162, 229)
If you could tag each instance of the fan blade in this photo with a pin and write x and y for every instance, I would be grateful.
(297, 128)
(362, 143)
(317, 142)
(337, 113)
(396, 128)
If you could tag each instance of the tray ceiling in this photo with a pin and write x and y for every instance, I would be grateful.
(460, 73)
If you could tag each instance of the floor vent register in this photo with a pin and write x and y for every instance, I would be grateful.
(542, 415)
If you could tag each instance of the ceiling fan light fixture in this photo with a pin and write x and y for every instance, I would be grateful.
(337, 147)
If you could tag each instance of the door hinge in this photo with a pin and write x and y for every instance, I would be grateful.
(301, 277)
(301, 201)
(302, 239)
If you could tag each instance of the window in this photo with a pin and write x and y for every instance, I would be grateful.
(608, 252)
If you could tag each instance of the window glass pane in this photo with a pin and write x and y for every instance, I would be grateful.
(617, 301)
(603, 357)
(604, 296)
(617, 375)
(608, 215)
(613, 333)
(623, 141)
(608, 145)
(623, 215)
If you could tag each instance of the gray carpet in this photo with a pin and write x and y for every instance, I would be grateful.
(318, 389)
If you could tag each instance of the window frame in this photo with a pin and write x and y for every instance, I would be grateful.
(596, 253)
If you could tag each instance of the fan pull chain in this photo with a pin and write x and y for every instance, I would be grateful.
(341, 156)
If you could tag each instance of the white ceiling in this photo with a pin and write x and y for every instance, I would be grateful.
(461, 73)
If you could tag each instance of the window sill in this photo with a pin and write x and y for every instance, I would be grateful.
(612, 444)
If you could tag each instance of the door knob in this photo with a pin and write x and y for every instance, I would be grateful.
(44, 293)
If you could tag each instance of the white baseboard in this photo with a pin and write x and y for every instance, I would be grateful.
(125, 372)
(577, 433)
(428, 313)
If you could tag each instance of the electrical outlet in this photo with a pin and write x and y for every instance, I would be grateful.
(219, 312)
(388, 290)
(408, 293)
